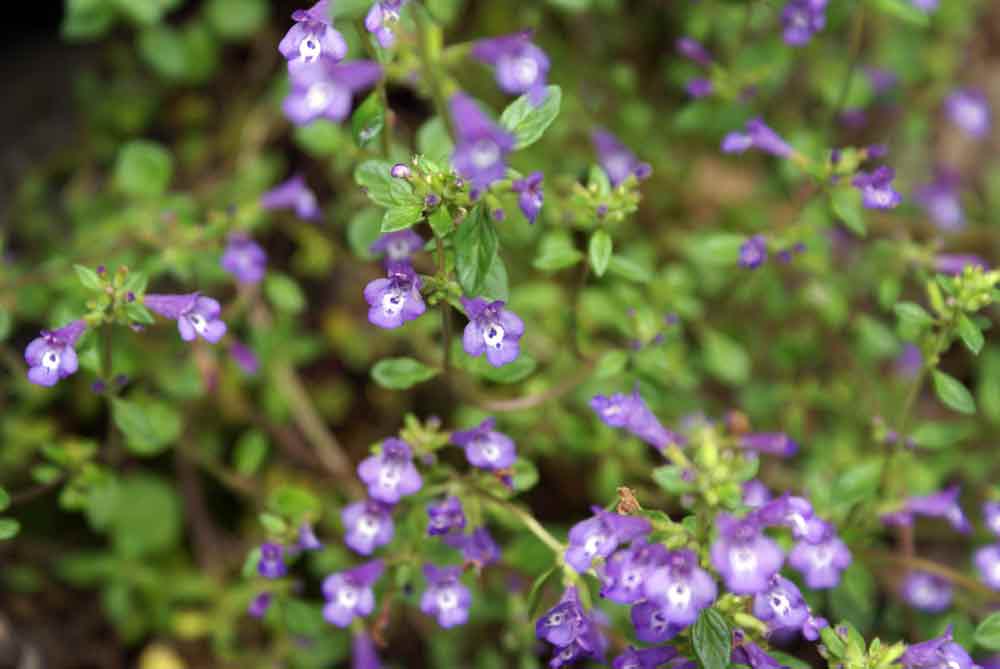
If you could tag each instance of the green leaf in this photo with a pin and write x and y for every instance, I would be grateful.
(401, 373)
(988, 389)
(284, 293)
(149, 427)
(913, 315)
(529, 122)
(725, 358)
(939, 435)
(144, 12)
(611, 364)
(368, 120)
(671, 479)
(513, 372)
(628, 269)
(86, 19)
(988, 632)
(364, 230)
(236, 19)
(952, 393)
(274, 525)
(440, 222)
(433, 140)
(250, 452)
(401, 217)
(143, 169)
(854, 597)
(4, 499)
(375, 177)
(710, 638)
(714, 249)
(790, 661)
(970, 334)
(600, 251)
(139, 314)
(90, 279)
(524, 474)
(293, 503)
(556, 252)
(496, 284)
(903, 9)
(845, 202)
(146, 516)
(321, 138)
(538, 588)
(475, 248)
(9, 528)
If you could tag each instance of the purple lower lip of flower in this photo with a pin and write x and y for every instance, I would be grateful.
(396, 299)
(821, 563)
(531, 196)
(485, 447)
(367, 525)
(492, 329)
(600, 535)
(324, 89)
(987, 561)
(481, 146)
(390, 475)
(349, 593)
(196, 316)
(272, 561)
(644, 658)
(795, 513)
(943, 504)
(927, 592)
(652, 624)
(293, 194)
(52, 355)
(772, 443)
(876, 188)
(625, 574)
(969, 110)
(313, 37)
(750, 654)
(568, 627)
(755, 493)
(801, 19)
(445, 517)
(955, 263)
(445, 597)
(259, 605)
(743, 556)
(681, 588)
(244, 259)
(781, 606)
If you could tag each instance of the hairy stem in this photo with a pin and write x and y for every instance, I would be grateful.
(380, 90)
(526, 519)
(445, 311)
(430, 68)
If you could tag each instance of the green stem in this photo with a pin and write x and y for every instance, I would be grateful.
(445, 310)
(857, 31)
(107, 336)
(380, 91)
(525, 519)
(424, 28)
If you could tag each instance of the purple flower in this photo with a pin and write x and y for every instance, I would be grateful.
(196, 316)
(781, 606)
(308, 540)
(681, 588)
(910, 361)
(349, 593)
(445, 517)
(312, 36)
(944, 504)
(925, 5)
(493, 330)
(625, 573)
(955, 263)
(632, 413)
(969, 110)
(821, 563)
(801, 19)
(481, 145)
(744, 557)
(692, 49)
(259, 605)
(812, 626)
(52, 355)
(445, 597)
(363, 653)
(395, 299)
(854, 119)
(772, 443)
(755, 494)
(272, 561)
(758, 136)
(991, 516)
(600, 535)
(795, 513)
(748, 653)
(293, 194)
(987, 561)
(478, 548)
(699, 87)
(390, 475)
(567, 627)
(938, 653)
(876, 188)
(644, 658)
(617, 161)
(380, 19)
(485, 447)
(367, 525)
(244, 357)
(324, 89)
(927, 592)
(940, 200)
(244, 259)
(521, 67)
(753, 252)
(651, 624)
(397, 246)
(531, 195)
(881, 79)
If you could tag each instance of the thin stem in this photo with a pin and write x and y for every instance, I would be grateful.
(380, 90)
(857, 31)
(445, 311)
(952, 575)
(107, 336)
(532, 401)
(424, 27)
(525, 519)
